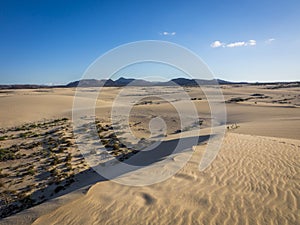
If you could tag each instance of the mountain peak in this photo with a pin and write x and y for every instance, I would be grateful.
(122, 81)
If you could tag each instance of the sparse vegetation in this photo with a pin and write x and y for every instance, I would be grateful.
(232, 126)
(9, 154)
(194, 99)
(116, 146)
(55, 160)
(48, 157)
(69, 157)
(2, 138)
(31, 170)
(237, 99)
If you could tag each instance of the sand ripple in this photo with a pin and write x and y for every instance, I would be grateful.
(254, 180)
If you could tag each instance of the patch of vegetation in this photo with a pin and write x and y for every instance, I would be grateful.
(104, 141)
(31, 171)
(27, 134)
(116, 146)
(61, 149)
(30, 145)
(54, 172)
(145, 103)
(46, 160)
(55, 160)
(237, 99)
(257, 95)
(2, 175)
(8, 154)
(69, 157)
(2, 138)
(177, 131)
(69, 166)
(232, 126)
(194, 99)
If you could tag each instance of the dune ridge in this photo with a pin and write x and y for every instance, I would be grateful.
(244, 185)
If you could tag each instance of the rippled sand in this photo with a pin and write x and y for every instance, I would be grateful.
(254, 180)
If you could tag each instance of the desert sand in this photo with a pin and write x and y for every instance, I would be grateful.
(246, 184)
(253, 180)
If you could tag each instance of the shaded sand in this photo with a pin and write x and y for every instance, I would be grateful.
(254, 180)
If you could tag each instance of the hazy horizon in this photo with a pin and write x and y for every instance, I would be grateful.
(57, 84)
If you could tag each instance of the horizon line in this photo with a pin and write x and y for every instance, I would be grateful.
(229, 81)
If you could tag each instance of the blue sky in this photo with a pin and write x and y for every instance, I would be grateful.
(55, 41)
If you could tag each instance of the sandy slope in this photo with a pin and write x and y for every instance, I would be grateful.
(265, 118)
(254, 180)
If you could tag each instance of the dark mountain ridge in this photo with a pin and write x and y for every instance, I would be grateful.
(139, 82)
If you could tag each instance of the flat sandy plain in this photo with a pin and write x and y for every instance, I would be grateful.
(255, 178)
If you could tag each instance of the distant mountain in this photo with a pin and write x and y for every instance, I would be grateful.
(91, 83)
(139, 82)
(229, 82)
(131, 82)
(22, 86)
(181, 82)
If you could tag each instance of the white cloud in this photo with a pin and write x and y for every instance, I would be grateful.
(165, 33)
(236, 44)
(251, 43)
(270, 40)
(217, 44)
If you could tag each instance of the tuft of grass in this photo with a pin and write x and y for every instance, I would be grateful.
(69, 166)
(105, 141)
(194, 99)
(54, 172)
(8, 154)
(69, 157)
(55, 160)
(31, 171)
(116, 146)
(2, 138)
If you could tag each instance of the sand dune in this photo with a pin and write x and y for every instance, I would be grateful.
(254, 180)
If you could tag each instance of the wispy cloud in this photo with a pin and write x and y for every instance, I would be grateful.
(217, 44)
(165, 33)
(236, 44)
(269, 41)
(251, 43)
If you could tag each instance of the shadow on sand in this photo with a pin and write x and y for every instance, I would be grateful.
(83, 180)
